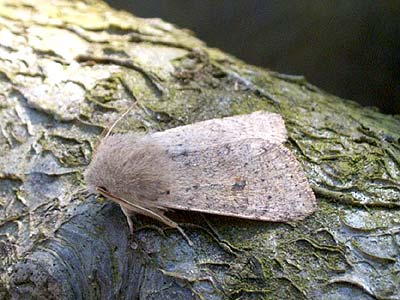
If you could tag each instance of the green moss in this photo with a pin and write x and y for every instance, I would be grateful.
(70, 152)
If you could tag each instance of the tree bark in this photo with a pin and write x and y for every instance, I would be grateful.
(68, 69)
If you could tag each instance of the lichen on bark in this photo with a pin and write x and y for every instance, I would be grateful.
(69, 68)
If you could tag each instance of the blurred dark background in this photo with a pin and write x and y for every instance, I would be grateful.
(349, 48)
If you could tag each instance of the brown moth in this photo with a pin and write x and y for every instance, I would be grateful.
(236, 166)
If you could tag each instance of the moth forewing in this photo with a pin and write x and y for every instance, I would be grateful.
(261, 125)
(251, 178)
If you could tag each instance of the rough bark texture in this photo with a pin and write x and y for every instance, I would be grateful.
(68, 68)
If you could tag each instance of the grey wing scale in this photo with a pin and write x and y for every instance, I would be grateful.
(251, 178)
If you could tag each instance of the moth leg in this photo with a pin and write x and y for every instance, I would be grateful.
(128, 208)
(158, 215)
(128, 213)
(172, 224)
(184, 236)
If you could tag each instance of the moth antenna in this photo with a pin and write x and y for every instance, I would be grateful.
(118, 120)
(128, 205)
(106, 132)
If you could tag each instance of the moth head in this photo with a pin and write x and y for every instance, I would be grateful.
(130, 166)
(104, 171)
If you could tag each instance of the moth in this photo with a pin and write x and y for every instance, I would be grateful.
(235, 166)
